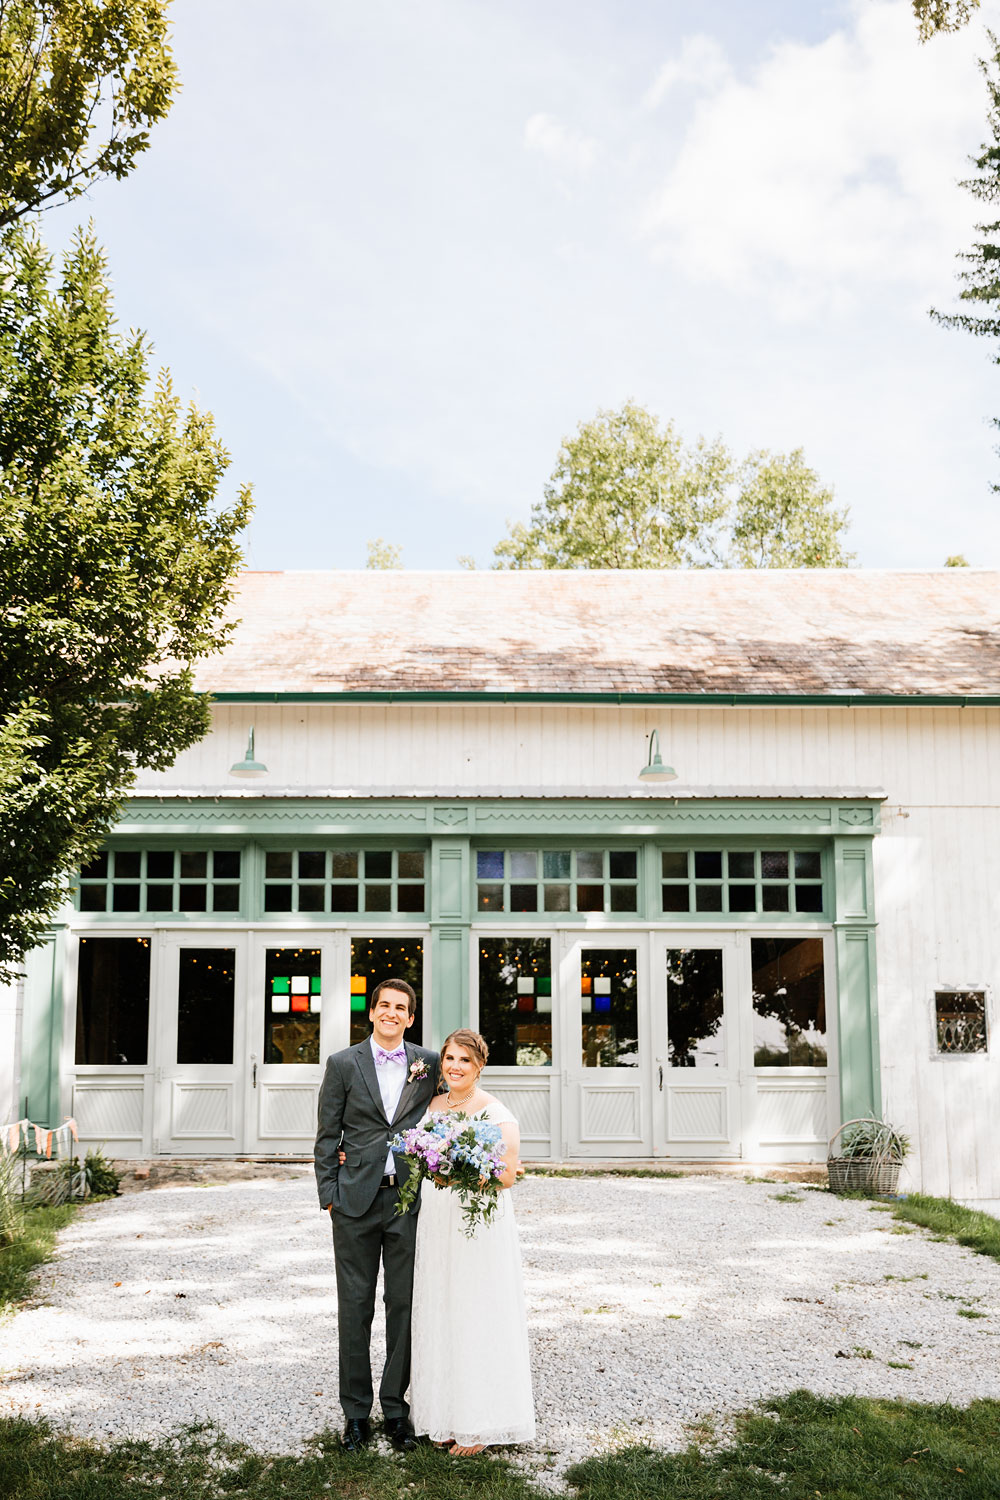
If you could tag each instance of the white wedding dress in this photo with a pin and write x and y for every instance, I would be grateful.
(470, 1377)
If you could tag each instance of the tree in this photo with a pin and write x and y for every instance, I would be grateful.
(81, 82)
(627, 493)
(382, 554)
(980, 282)
(115, 568)
(942, 15)
(784, 517)
(956, 560)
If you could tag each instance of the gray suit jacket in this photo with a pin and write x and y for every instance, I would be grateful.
(352, 1119)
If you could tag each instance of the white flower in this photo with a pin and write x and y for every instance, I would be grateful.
(418, 1070)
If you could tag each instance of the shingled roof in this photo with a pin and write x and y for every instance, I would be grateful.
(812, 633)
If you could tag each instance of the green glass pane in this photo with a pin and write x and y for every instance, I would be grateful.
(359, 1002)
(315, 985)
(544, 986)
(281, 985)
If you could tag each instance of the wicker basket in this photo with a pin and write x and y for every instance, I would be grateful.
(877, 1174)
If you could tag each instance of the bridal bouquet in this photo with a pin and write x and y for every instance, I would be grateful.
(457, 1152)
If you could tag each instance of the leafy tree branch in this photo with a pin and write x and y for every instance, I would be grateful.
(81, 83)
(116, 567)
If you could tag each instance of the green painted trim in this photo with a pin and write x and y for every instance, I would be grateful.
(857, 989)
(857, 1001)
(626, 700)
(41, 1037)
(280, 819)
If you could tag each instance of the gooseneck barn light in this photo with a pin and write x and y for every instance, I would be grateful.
(654, 769)
(248, 767)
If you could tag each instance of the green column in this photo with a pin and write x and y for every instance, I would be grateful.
(42, 1029)
(857, 993)
(451, 915)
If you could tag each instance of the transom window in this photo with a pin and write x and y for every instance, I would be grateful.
(161, 880)
(560, 880)
(742, 880)
(349, 880)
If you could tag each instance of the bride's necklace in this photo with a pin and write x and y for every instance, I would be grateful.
(456, 1103)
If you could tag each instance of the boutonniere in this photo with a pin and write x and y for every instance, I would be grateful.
(418, 1070)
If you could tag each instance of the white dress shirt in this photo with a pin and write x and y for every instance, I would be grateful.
(391, 1077)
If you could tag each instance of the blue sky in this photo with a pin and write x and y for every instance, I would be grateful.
(400, 248)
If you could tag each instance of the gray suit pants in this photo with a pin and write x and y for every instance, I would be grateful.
(380, 1234)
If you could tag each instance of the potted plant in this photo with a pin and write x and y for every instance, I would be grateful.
(868, 1158)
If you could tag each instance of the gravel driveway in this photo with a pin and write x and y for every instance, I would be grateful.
(652, 1304)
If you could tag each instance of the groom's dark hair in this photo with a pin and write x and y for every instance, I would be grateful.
(395, 984)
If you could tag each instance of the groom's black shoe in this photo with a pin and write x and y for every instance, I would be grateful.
(400, 1434)
(357, 1434)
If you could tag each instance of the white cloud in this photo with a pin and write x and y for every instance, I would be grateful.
(700, 63)
(829, 167)
(565, 148)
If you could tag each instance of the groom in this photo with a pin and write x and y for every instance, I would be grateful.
(370, 1092)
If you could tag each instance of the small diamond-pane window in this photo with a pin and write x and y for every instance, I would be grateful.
(960, 1021)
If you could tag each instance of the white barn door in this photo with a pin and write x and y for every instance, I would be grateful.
(697, 1045)
(608, 1059)
(200, 1043)
(294, 978)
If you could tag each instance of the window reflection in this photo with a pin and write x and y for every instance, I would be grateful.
(112, 1006)
(789, 1003)
(292, 1003)
(610, 1015)
(694, 1008)
(374, 959)
(206, 989)
(515, 1001)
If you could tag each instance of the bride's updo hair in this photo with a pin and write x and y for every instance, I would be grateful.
(471, 1041)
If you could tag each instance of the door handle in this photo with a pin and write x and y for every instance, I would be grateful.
(661, 1078)
(255, 1075)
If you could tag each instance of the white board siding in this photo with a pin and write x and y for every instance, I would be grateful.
(937, 861)
(923, 756)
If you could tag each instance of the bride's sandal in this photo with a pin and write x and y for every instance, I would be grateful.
(458, 1451)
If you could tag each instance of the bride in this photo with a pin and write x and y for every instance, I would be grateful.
(460, 1403)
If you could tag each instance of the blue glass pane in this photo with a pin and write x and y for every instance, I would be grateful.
(489, 864)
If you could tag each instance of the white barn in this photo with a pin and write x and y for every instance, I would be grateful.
(802, 927)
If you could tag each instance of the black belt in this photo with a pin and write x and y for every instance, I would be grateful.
(389, 1180)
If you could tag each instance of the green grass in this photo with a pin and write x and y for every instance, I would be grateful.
(198, 1464)
(845, 1449)
(26, 1254)
(947, 1219)
(800, 1446)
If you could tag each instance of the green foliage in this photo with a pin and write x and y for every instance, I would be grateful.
(102, 1179)
(383, 555)
(979, 281)
(942, 15)
(24, 1254)
(627, 492)
(801, 1446)
(81, 82)
(115, 569)
(943, 1216)
(784, 517)
(873, 1139)
(956, 560)
(99, 1175)
(200, 1464)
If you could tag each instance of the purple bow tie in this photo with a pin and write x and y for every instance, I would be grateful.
(382, 1057)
